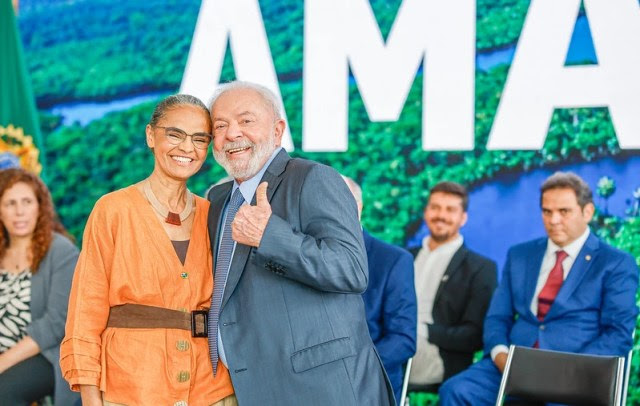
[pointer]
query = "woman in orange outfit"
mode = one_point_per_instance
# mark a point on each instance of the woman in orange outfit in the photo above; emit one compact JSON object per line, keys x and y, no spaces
{"x":145,"y":266}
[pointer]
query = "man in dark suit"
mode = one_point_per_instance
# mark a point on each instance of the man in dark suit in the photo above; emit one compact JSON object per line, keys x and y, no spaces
{"x":568,"y":292}
{"x":287,"y":317}
{"x":454,"y":286}
{"x":389,"y":301}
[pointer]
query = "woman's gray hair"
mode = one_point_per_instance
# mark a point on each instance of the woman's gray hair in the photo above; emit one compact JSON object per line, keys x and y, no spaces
{"x":267,"y":95}
{"x":173,"y":101}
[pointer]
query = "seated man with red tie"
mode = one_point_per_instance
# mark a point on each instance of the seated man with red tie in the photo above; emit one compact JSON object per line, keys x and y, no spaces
{"x":568,"y":292}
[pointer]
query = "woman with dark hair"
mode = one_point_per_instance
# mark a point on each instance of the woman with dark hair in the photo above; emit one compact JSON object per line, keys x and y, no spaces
{"x":36,"y":267}
{"x":136,"y":331}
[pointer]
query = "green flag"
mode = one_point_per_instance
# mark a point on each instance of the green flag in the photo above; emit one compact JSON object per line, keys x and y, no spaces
{"x":20,"y":141}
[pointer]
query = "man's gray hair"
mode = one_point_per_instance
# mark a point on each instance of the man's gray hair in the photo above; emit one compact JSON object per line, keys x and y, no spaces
{"x":267,"y":95}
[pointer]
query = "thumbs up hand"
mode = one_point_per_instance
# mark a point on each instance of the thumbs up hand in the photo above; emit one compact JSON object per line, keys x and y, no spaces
{"x":250,"y":221}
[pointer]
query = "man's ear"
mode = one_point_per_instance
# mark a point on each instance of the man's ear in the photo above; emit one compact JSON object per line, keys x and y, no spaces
{"x":464,"y":219}
{"x":588,"y":211}
{"x":279,"y":127}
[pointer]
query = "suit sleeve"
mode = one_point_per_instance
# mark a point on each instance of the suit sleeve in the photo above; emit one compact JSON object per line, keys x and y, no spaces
{"x":48,"y":330}
{"x":467,"y":334}
{"x":500,"y":316}
{"x":618,"y":311}
{"x":327,"y":252}
{"x":398,"y":342}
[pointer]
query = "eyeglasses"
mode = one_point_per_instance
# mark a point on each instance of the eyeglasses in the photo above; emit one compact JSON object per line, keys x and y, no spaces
{"x":176,"y":136}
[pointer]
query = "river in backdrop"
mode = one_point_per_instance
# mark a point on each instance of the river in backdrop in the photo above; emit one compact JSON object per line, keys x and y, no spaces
{"x":85,"y":112}
{"x":581,"y":50}
{"x":506,"y":210}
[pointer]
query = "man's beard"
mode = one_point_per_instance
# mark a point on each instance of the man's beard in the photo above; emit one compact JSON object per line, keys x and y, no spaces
{"x":246,"y":169}
{"x":441,"y":236}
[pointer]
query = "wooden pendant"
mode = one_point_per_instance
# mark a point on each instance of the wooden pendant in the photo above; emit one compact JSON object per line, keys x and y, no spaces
{"x":169,"y":217}
{"x":173,"y":218}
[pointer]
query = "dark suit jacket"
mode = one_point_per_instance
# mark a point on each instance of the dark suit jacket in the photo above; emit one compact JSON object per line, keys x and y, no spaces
{"x":594,"y":312}
{"x":292,"y":318}
{"x":459,"y":308}
{"x":390,"y":303}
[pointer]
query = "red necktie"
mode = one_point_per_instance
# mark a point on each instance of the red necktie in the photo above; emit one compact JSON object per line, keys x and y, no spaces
{"x":550,"y":289}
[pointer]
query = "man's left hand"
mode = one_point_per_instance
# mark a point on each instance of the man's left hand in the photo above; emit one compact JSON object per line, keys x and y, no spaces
{"x":501,"y":361}
{"x":250,"y":221}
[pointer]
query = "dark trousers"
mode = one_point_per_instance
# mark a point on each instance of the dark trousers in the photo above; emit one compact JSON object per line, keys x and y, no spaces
{"x":26,"y":382}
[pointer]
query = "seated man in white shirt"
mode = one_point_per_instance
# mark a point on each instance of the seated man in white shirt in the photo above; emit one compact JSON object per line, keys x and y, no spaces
{"x":569,"y":291}
{"x":453,"y":285}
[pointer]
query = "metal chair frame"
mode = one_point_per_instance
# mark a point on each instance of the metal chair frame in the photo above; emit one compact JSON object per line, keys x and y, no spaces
{"x":621,"y":378}
{"x":405,"y":383}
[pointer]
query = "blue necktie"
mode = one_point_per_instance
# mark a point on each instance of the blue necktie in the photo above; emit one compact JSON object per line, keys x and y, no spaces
{"x":222,"y":271}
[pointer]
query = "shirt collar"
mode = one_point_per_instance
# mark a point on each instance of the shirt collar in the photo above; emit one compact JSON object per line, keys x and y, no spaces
{"x":451,"y":246}
{"x":572,"y":249}
{"x":249,"y":186}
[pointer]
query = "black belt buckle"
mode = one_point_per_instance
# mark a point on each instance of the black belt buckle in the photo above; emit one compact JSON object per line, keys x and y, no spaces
{"x":199,"y":317}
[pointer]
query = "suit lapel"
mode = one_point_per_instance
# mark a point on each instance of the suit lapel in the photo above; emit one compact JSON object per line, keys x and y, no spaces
{"x":273,"y":181}
{"x":579,"y":269}
{"x":218,"y":196}
{"x":453,"y":267}
{"x":241,"y":253}
{"x":533,"y":272}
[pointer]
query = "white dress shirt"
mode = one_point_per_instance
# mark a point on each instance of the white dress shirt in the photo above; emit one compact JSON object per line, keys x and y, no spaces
{"x":430,"y":266}
{"x":548,"y":261}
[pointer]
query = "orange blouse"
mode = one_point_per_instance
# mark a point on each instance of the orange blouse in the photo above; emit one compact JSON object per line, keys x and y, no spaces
{"x":127,"y":257}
